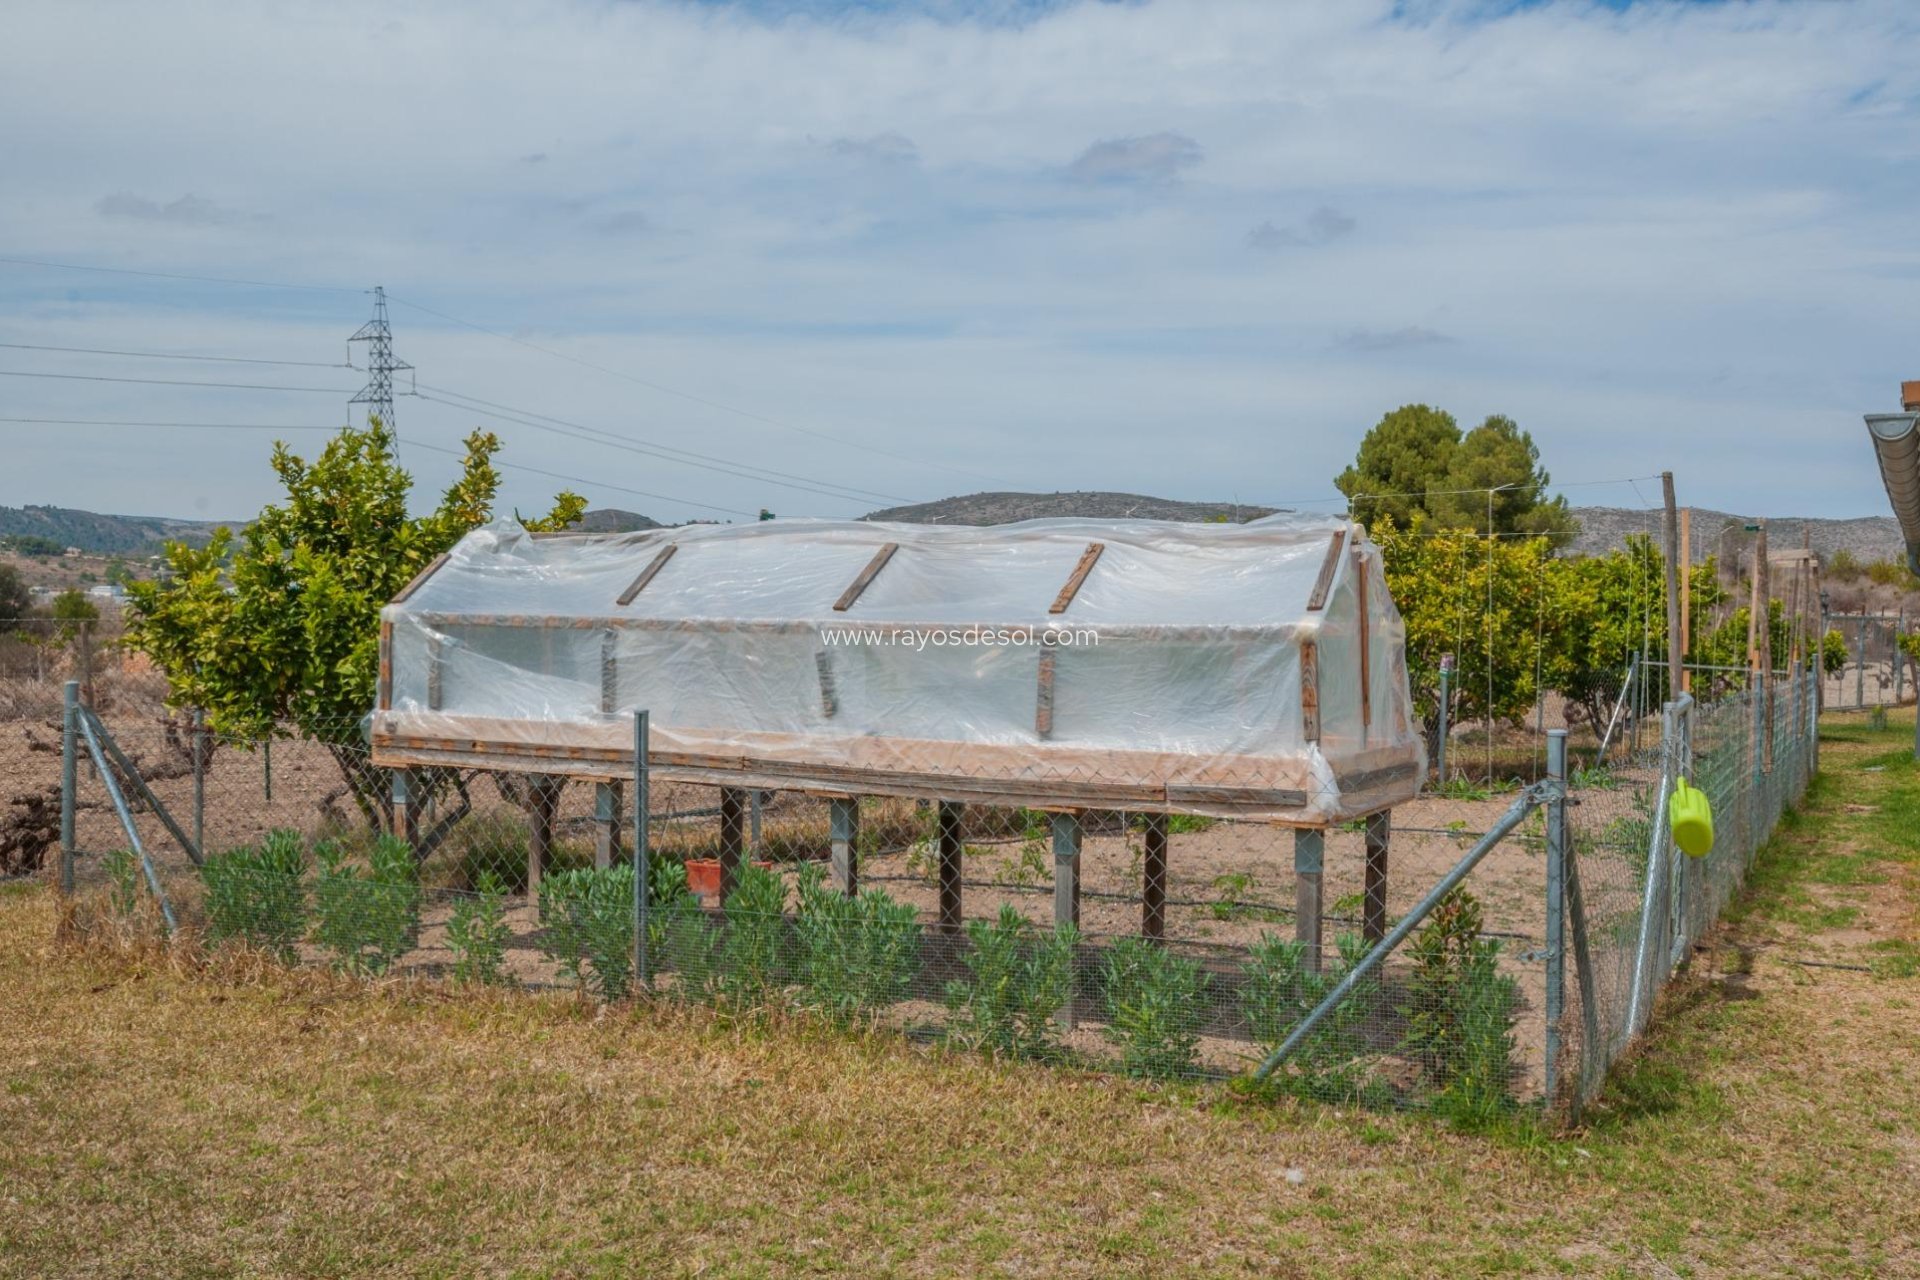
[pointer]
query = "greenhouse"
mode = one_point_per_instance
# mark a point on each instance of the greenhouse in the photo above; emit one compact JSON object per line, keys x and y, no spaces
{"x":1253,"y":671}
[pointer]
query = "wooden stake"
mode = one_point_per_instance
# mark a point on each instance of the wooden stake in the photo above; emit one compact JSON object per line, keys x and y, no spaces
{"x":1309,"y":858}
{"x":1686,"y":596}
{"x":1676,"y":662}
{"x":1153,"y":878}
{"x":951,"y":849}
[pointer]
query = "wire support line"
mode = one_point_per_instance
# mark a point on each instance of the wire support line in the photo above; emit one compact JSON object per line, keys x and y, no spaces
{"x":582,"y":480}
{"x":659,"y":453}
{"x":171,"y":355}
{"x":666,"y":448}
{"x":694,"y":398}
{"x":210,"y":426}
{"x":174,"y":382}
{"x":176,"y":275}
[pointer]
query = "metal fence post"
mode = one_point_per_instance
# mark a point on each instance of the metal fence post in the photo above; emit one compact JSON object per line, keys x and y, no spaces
{"x":69,"y":779}
{"x":1440,"y":740}
{"x":642,"y":853}
{"x":1556,"y":905}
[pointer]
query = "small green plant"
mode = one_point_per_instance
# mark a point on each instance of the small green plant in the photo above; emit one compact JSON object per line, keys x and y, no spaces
{"x":1017,"y":980}
{"x":1877,"y":720}
{"x":1153,"y":997}
{"x":1461,"y":1011}
{"x":1231,"y":887}
{"x":477,"y":934}
{"x":367,"y":917}
{"x":123,"y":882}
{"x":588,"y":917}
{"x":857,"y":955}
{"x":255,"y":894}
{"x":1279,"y":988}
{"x":754,"y":955}
{"x":1462,"y":789}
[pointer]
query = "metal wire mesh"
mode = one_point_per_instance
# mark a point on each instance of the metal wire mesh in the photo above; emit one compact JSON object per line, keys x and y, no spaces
{"x":1158,"y":945}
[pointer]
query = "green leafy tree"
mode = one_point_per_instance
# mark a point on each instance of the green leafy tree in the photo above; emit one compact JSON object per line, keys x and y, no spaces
{"x":72,"y":610}
{"x":280,"y":626}
{"x":1499,"y":458}
{"x":1404,"y":456}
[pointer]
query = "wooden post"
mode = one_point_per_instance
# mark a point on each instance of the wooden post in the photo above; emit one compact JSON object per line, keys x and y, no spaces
{"x":1374,"y":912}
{"x":733,"y":837}
{"x":546,"y":790}
{"x":1309,"y":853}
{"x":606,"y":824}
{"x":1763,"y":611}
{"x":1153,"y":886}
{"x":1066,"y":870}
{"x":1686,"y":596}
{"x":1676,"y":662}
{"x":844,"y":821}
{"x":402,"y":827}
{"x":1066,"y":885}
{"x":951,"y":849}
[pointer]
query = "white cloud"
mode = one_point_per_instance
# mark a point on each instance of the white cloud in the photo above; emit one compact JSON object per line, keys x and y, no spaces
{"x":1678,"y":236}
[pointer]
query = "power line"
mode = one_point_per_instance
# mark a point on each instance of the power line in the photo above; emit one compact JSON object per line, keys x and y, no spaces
{"x":170,"y":382}
{"x":592,"y":484}
{"x":170,"y":355}
{"x":611,"y":436}
{"x":173,"y":275}
{"x":708,"y":401}
{"x":532,"y":346}
{"x":662,"y":453}
{"x":211,"y":426}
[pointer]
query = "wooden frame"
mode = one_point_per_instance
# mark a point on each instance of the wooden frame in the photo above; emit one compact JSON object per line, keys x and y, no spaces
{"x":1088,"y":558}
{"x":867,"y":575}
{"x":654,"y":566}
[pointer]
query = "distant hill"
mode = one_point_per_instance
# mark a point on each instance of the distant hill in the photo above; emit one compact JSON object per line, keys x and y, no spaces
{"x":103,"y":534}
{"x":1868,"y":538}
{"x":1005,"y":508}
{"x":614,"y":520}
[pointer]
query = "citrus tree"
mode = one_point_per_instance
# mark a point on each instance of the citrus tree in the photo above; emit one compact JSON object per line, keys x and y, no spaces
{"x":275,"y":632}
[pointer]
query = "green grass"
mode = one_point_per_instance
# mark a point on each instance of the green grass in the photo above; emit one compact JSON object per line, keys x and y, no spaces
{"x":165,"y":1117}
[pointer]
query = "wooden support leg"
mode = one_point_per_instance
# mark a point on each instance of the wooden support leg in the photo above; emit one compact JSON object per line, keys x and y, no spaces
{"x":844,"y":819}
{"x":733,"y":837}
{"x":1379,"y":834}
{"x":1309,"y":853}
{"x":402,"y":816}
{"x":1066,"y":870}
{"x":1066,"y":885}
{"x":606,"y":824}
{"x":546,"y":799}
{"x":951,"y":849}
{"x":1153,"y":882}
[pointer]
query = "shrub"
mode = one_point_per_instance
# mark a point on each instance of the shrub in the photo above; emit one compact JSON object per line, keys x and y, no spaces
{"x":857,"y":955}
{"x":1017,"y":980}
{"x":754,"y":960}
{"x":1481,"y":1087}
{"x":1280,"y":989}
{"x":368,"y":918}
{"x":478,"y":933}
{"x":255,"y":894}
{"x":1460,"y":1017}
{"x":588,"y":916}
{"x":1153,"y":997}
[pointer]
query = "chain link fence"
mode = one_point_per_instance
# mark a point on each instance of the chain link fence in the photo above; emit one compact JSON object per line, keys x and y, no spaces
{"x":1428,"y":953}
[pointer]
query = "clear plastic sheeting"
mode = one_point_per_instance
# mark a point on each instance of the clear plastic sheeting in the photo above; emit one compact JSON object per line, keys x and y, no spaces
{"x":1253,"y":670}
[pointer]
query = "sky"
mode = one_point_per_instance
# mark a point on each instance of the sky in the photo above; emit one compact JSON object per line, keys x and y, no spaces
{"x":823,"y":256}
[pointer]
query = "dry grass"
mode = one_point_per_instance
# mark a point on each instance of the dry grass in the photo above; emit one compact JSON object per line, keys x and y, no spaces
{"x":160,"y":1118}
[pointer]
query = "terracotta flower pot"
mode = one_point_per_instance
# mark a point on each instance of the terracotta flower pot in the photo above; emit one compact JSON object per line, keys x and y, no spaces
{"x":703,"y":878}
